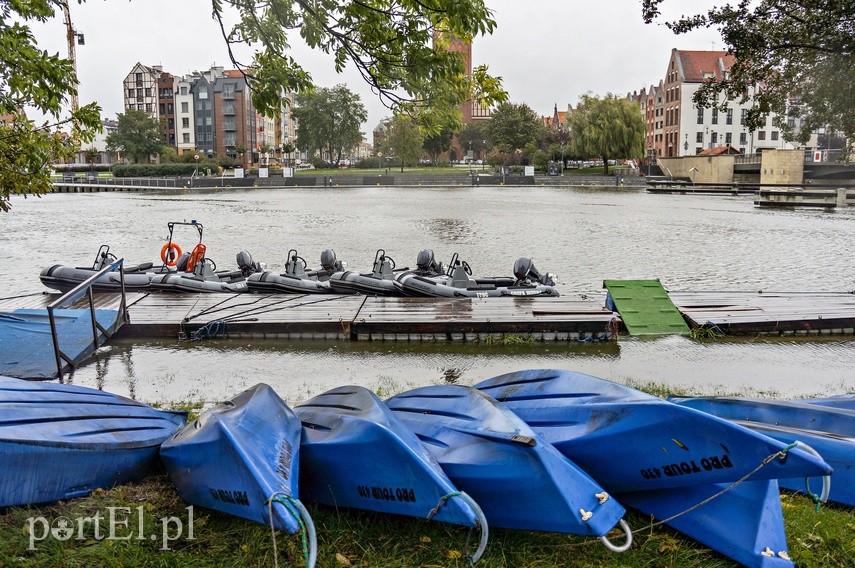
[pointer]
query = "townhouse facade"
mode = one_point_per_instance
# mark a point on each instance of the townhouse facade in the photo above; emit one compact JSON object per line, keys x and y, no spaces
{"x":677,"y":127}
{"x":209,"y":113}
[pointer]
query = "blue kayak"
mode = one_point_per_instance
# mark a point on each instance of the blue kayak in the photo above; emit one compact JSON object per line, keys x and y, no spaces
{"x":241,"y":457}
{"x":745,"y":523}
{"x":841,"y":401}
{"x":660,"y":444}
{"x":356,"y":453}
{"x":787,"y":421}
{"x":519,"y":480}
{"x":662,"y":458}
{"x":63,"y":441}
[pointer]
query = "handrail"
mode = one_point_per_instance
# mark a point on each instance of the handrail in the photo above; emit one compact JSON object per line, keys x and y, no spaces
{"x":75,"y":294}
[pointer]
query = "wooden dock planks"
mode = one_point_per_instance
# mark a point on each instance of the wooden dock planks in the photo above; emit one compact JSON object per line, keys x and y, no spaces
{"x":788,"y":313}
{"x":165,"y":315}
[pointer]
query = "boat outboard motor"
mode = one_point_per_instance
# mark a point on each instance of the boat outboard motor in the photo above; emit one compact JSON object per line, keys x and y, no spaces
{"x":329,"y":262}
{"x":181,"y":263}
{"x":525,"y":271}
{"x":246,"y":265}
{"x":426,"y":263}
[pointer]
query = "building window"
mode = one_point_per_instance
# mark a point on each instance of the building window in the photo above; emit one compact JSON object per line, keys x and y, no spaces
{"x":140,"y":106}
{"x":162,"y":109}
{"x":185,"y":123}
{"x":714,"y":119}
{"x":729,"y":119}
{"x":183,"y":90}
{"x":728,"y":138}
{"x":203,"y":94}
{"x":131,"y":93}
{"x":138,"y":76}
{"x":743,"y":139}
{"x":714,"y":138}
{"x":700,"y":115}
{"x":229,"y":138}
{"x":228,"y":123}
{"x":228,"y":107}
{"x":761,"y":135}
{"x":791,"y":122}
{"x":774,"y":135}
{"x":699,"y":137}
{"x":742,"y":115}
{"x":698,"y":149}
{"x":228,"y":91}
{"x":185,"y":138}
{"x":148,"y":92}
{"x":185,"y":107}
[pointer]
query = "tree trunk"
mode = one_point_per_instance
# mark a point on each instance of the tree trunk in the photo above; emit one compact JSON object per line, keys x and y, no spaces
{"x":605,"y":165}
{"x":402,"y":165}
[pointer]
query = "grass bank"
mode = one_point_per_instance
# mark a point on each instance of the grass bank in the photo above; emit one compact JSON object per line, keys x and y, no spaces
{"x":151,"y":527}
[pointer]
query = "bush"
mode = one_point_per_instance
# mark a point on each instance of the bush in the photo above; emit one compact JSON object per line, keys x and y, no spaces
{"x":154,"y":170}
{"x":372,"y":162}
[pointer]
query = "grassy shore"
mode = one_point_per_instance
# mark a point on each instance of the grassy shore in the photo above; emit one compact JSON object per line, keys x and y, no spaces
{"x":151,"y":528}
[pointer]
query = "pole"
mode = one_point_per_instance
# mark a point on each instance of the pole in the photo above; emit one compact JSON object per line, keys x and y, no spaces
{"x":72,"y":52}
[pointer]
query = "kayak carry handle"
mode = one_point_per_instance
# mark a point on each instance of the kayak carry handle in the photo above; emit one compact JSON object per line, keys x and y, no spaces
{"x":480,"y":517}
{"x":307,"y":527}
{"x":826,"y":479}
{"x":625,"y":546}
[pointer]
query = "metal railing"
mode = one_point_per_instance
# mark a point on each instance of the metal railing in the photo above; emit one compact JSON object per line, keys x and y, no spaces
{"x":85,"y":288}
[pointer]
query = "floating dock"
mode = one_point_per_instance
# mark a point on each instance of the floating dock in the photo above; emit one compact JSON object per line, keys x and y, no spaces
{"x":570,"y":317}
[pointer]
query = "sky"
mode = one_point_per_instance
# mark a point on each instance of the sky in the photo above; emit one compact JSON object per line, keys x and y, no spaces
{"x":547,"y":52}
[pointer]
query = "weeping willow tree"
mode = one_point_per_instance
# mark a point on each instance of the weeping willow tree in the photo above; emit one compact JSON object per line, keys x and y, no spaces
{"x":607,"y":127}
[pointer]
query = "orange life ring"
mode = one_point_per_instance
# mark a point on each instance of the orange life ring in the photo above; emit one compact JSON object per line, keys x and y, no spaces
{"x":196,"y":256}
{"x":170,"y":253}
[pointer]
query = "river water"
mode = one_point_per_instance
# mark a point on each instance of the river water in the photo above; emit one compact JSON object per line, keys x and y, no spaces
{"x":584,"y":235}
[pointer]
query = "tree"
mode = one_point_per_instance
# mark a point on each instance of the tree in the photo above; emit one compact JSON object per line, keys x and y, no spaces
{"x":403,"y":140}
{"x":138,"y":136}
{"x":513,"y":126}
{"x":475,"y":135}
{"x":436,"y":144}
{"x":390,"y":42}
{"x":610,"y":127}
{"x":796,"y":57}
{"x":31,"y":78}
{"x":329,"y":120}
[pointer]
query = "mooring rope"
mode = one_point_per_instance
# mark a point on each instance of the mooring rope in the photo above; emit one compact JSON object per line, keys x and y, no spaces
{"x":308,"y":536}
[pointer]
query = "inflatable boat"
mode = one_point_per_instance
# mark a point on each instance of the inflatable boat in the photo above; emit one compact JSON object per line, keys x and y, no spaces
{"x":202,"y":275}
{"x":379,"y":282}
{"x":459,"y":282}
{"x":137,"y":277}
{"x":296,"y":279}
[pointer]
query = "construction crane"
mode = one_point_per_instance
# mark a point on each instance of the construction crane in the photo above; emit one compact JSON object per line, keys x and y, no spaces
{"x":73,"y":37}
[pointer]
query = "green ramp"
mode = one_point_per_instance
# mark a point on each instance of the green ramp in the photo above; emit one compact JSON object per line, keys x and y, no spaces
{"x":645,"y":307}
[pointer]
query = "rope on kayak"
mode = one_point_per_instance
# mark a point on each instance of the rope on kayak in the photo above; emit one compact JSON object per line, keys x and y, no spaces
{"x":781,"y":455}
{"x":308,"y":537}
{"x":481,"y":523}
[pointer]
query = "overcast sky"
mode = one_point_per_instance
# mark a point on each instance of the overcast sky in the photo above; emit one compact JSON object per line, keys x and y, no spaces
{"x":547,"y":51}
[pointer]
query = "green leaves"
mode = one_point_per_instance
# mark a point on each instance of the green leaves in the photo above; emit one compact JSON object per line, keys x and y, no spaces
{"x":138,"y":136}
{"x":608,"y":127}
{"x":395,"y":45}
{"x":329,"y":120}
{"x":34,"y":79}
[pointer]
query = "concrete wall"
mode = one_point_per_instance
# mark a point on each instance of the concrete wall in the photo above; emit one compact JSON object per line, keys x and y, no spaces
{"x":783,"y":167}
{"x":707,"y":169}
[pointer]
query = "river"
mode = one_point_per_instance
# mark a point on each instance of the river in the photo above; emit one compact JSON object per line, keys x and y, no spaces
{"x":584,"y":235}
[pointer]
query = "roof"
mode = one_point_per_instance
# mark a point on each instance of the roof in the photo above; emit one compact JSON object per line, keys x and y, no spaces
{"x":700,"y":66}
{"x":720,"y":150}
